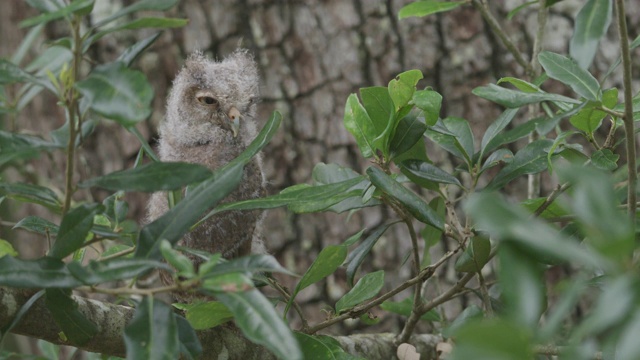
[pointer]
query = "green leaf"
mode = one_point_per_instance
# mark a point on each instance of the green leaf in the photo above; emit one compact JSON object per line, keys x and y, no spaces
{"x":97,"y":272}
{"x":412,"y":202}
{"x":430,"y":234}
{"x":146,"y":22}
{"x":206,"y":315}
{"x":44,"y":272}
{"x":231,"y":282}
{"x":496,"y":128}
{"x":142,"y":5}
{"x":492,"y":338}
{"x":366,"y":288}
{"x":531,"y":159}
{"x":260,"y":323}
{"x":324,"y":174}
{"x":475,"y":256}
{"x":552,"y":211}
{"x":130,"y":54}
{"x":430,"y":102}
{"x":405,"y":307}
{"x":408,"y":141}
{"x":74,"y":229}
{"x":118,"y":93}
{"x":38,"y":225}
{"x":522,"y":85}
{"x":570,"y":73}
{"x":76,"y":327}
{"x":7,"y":249}
{"x":589,"y":118}
{"x":605,"y":159}
{"x":500,"y":156}
{"x":401,"y":88}
{"x":458,"y":141}
{"x":314,"y":349}
{"x":429,"y":172}
{"x":180,"y":262}
{"x":360,"y":125}
{"x":328,"y":260}
{"x":177,"y":221}
{"x":591,"y":24}
{"x":73,"y":7}
{"x":249,"y":265}
{"x":505,"y":222}
{"x":428,"y":7}
{"x":155,"y":176}
{"x":379,"y":106}
{"x":152,"y":333}
{"x":514,"y":99}
{"x":628,"y":347}
{"x":357,"y":256}
{"x":35,"y":194}
{"x":10,"y":73}
{"x":522,"y":285}
{"x":190,"y":347}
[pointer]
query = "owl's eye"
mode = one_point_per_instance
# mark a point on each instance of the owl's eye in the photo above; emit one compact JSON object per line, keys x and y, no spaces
{"x":207,"y":100}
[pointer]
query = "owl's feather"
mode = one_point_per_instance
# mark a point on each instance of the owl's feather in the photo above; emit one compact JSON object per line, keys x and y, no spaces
{"x":207,"y":101}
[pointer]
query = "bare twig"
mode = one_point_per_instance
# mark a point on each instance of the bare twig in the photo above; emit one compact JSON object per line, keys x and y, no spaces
{"x":551,"y":198}
{"x":287,"y":296}
{"x":628,"y":109}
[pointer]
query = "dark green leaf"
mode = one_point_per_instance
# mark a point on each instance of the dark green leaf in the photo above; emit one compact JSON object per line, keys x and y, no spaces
{"x":17,"y":317}
{"x":492,"y":338}
{"x":429,"y":172}
{"x":514,"y":99}
{"x":328,"y":260}
{"x":509,"y":136}
{"x":530,"y":160}
{"x":412,"y":202}
{"x":251,"y":264}
{"x":37,"y":225}
{"x":401,"y":88}
{"x":130,"y":54}
{"x":475,"y":256}
{"x":360,"y":125}
{"x":427,"y":7}
{"x":45,"y":272}
{"x":324,"y":174}
{"x":405,"y":307}
{"x":357,"y":256}
{"x":605,"y":159}
{"x":500,"y":156}
{"x":588,"y":119}
{"x":177,"y":221}
{"x":591,"y":24}
{"x":507,"y":222}
{"x":496,"y":128}
{"x":118,"y":93}
{"x":353,"y":238}
{"x":570,"y":73}
{"x":454,"y":135}
{"x":75,"y":6}
{"x":379,"y":107}
{"x":152,"y":333}
{"x":552,"y":211}
{"x":11,"y":73}
{"x":409,"y":131}
{"x":206,"y":315}
{"x":522,"y":85}
{"x":32,"y":194}
{"x":76,"y":327}
{"x":155,"y":176}
{"x":74,"y":229}
{"x":312,"y":348}
{"x":97,"y":272}
{"x":190,"y":347}
{"x":141,"y":23}
{"x":522,"y":285}
{"x":430,"y":102}
{"x":366,"y":288}
{"x":260,"y":323}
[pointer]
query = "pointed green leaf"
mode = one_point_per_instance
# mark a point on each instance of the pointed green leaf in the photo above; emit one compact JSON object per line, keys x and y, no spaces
{"x":10,"y":73}
{"x":130,"y":54}
{"x":426,"y":171}
{"x":118,"y":93}
{"x":7,"y":249}
{"x":430,"y":102}
{"x":249,"y":265}
{"x":589,"y":118}
{"x":32,"y":194}
{"x":73,"y":7}
{"x":427,"y":7}
{"x":455,"y":136}
{"x":97,"y":272}
{"x":522,"y":85}
{"x":152,"y":333}
{"x":591,"y":24}
{"x":360,"y":125}
{"x":260,"y":323}
{"x":37,"y":225}
{"x":74,"y":229}
{"x":500,"y":156}
{"x":492,"y":338}
{"x":410,"y":130}
{"x":401,"y":88}
{"x":366,"y":288}
{"x":40,"y":273}
{"x":357,"y":256}
{"x":405,"y":307}
{"x":412,"y":202}
{"x":206,"y":315}
{"x":328,"y":260}
{"x":531,"y":159}
{"x":314,"y":349}
{"x":76,"y":327}
{"x":379,"y":106}
{"x":570,"y":73}
{"x":475,"y":256}
{"x":155,"y":176}
{"x":605,"y":159}
{"x":142,"y":5}
{"x":513,"y":98}
{"x":496,"y":128}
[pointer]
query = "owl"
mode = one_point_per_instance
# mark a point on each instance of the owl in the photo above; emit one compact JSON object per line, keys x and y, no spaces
{"x":210,"y":120}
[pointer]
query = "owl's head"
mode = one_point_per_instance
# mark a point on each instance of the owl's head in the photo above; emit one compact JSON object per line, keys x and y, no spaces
{"x":215,"y":94}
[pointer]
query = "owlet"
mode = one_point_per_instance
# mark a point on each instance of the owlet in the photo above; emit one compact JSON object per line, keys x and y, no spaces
{"x":210,"y":121}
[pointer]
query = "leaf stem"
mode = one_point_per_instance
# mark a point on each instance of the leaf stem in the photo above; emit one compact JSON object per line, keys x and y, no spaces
{"x":628,"y":109}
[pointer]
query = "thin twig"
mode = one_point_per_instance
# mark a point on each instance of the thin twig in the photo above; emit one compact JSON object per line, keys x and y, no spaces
{"x":484,"y":292}
{"x":628,"y":109}
{"x":551,"y":198}
{"x":287,"y":296}
{"x":118,"y":254}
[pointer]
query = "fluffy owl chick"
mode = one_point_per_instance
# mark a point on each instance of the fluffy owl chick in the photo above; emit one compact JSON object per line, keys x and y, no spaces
{"x":210,"y":121}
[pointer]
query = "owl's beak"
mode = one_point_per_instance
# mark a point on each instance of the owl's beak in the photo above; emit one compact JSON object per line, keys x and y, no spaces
{"x":234,"y":116}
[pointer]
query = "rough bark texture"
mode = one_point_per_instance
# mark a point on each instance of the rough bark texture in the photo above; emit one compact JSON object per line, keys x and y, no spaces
{"x":312,"y":55}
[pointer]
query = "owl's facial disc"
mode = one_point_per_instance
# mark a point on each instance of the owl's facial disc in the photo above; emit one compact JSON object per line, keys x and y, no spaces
{"x":234,"y":116}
